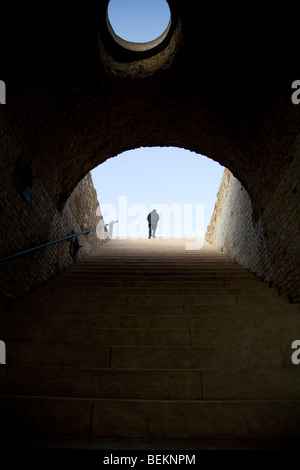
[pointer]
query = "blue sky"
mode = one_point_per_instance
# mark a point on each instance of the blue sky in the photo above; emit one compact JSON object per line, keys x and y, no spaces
{"x":139,"y":20}
{"x":180,"y":184}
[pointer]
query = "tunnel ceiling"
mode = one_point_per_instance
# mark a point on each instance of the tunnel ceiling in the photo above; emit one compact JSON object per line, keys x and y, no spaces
{"x":217,"y":85}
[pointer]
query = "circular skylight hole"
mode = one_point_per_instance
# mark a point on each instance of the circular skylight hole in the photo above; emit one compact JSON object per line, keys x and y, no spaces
{"x":139,"y":21}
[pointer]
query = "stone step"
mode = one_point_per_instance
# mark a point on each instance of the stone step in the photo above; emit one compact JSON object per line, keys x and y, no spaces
{"x":156,"y":269}
{"x":178,"y":259}
{"x":59,"y":320}
{"x":171,"y":419}
{"x":188,"y":321}
{"x":196,"y":357}
{"x":195,"y":317}
{"x":160,"y":316}
{"x":99,"y":336}
{"x":160,"y":263}
{"x":90,"y":301}
{"x":118,"y":281}
{"x":78,"y":311}
{"x":129,"y":320}
{"x":164,"y":384}
{"x":98,"y":290}
{"x":202,"y":337}
{"x":159,"y":274}
{"x":144,"y":357}
{"x":255,"y":384}
{"x":151,"y":340}
{"x":201,"y":419}
{"x":104,"y":383}
{"x":161,"y":259}
{"x":156,"y":266}
{"x":177,"y":281}
{"x":139,"y":259}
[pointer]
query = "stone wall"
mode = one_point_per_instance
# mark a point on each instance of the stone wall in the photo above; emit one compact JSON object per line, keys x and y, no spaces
{"x":28,"y":224}
{"x":235,"y":231}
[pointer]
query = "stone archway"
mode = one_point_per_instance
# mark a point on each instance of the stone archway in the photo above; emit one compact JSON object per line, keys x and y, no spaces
{"x":74,"y":99}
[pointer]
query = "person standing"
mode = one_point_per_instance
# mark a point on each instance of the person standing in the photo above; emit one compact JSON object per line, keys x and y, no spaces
{"x":153,"y":219}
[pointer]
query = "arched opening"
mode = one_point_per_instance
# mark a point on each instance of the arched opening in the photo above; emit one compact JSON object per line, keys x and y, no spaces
{"x":194,"y":197}
{"x":180,"y":184}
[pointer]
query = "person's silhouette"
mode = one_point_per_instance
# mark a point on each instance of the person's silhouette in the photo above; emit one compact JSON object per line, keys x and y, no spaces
{"x":153,"y":219}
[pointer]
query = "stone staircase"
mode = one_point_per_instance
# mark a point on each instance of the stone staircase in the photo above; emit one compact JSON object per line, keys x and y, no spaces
{"x":148,"y":340}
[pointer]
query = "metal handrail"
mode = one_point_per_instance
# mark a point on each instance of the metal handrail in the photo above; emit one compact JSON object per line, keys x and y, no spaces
{"x":35,"y":248}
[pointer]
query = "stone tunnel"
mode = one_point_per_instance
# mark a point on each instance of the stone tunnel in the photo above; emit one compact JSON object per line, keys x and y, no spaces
{"x":75,"y":96}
